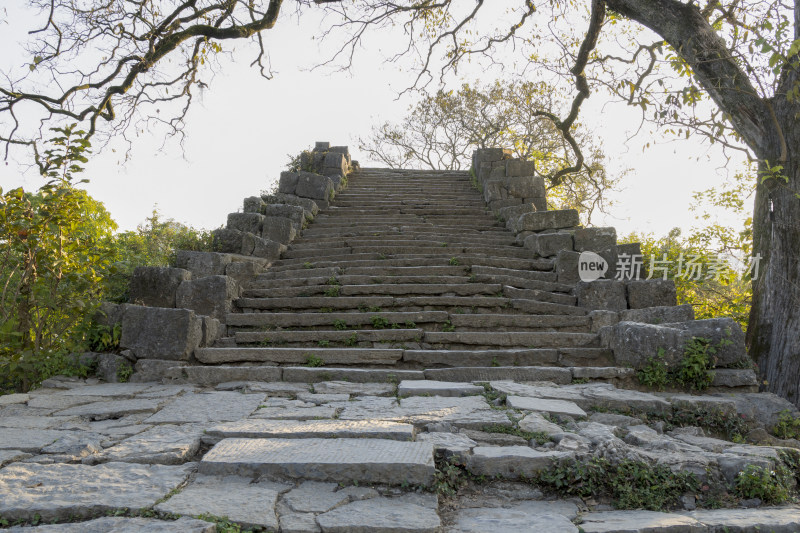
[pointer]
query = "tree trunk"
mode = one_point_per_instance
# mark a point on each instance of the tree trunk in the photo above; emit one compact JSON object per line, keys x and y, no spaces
{"x":773,"y":332}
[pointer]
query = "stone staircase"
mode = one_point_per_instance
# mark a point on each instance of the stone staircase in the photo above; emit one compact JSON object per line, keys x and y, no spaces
{"x":419,"y":358}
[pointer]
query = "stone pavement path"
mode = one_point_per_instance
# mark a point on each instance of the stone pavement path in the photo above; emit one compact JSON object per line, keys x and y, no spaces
{"x":342,"y":456}
{"x":411,"y":370}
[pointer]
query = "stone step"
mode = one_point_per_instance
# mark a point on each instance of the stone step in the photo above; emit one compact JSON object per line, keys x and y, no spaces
{"x":336,"y":356}
{"x":339,"y":460}
{"x":308,"y":429}
{"x":390,"y":250}
{"x":545,"y":265}
{"x":439,"y":339}
{"x":409,"y":303}
{"x":347,"y":280}
{"x":368,"y":212}
{"x":523,"y":283}
{"x":395,"y":289}
{"x":510,"y":322}
{"x":398,"y":240}
{"x":314,"y":337}
{"x":328,"y":320}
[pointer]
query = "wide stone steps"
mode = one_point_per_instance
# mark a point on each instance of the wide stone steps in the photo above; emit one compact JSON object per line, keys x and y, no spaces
{"x":398,"y":240}
{"x":404,"y":334}
{"x":391,"y":249}
{"x":402,"y":289}
{"x":486,"y":304}
{"x":378,"y":260}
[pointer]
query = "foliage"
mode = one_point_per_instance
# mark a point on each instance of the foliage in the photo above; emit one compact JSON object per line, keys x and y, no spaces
{"x":631,"y":484}
{"x":379,"y":322}
{"x":124,"y":372}
{"x":441,"y":130}
{"x":340,"y":324}
{"x":154,"y":243}
{"x":332,"y":291}
{"x":103,"y":338}
{"x":57,"y":245}
{"x":770,"y":486}
{"x":314,"y":361}
{"x":788,"y":427}
{"x":693,"y":369}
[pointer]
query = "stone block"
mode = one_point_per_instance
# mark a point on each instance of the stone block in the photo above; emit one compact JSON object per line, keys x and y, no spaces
{"x":253,"y":204}
{"x":437,"y":388}
{"x":544,"y":220}
{"x":159,"y":333}
{"x":202,"y":264}
{"x":494,"y":191}
{"x":549,"y":244}
{"x":634,"y":343}
{"x":310,"y":206}
{"x":594,"y":239}
{"x":603,"y":318}
{"x":525,"y":186}
{"x":243,"y":271}
{"x":496,"y":205}
{"x":295,"y":213}
{"x":511,"y":462}
{"x":335,"y":164}
{"x":288,"y":182}
{"x":267,"y":249}
{"x":322,"y":146}
{"x":539,"y":202}
{"x":567,"y":266}
{"x":607,"y":294}
{"x":556,"y":407}
{"x":213,"y":329}
{"x":156,"y":286}
{"x":227,"y":240}
{"x":211,"y":296}
{"x":109,"y":366}
{"x":380,"y":514}
{"x":485,"y":169}
{"x":246,"y":222}
{"x":651,"y":293}
{"x":314,"y":186}
{"x":719,"y":331}
{"x":278,"y":229}
{"x":629,"y":248}
{"x":659,"y":315}
{"x":512,"y":213}
{"x":362,"y":460}
{"x":520,"y":167}
{"x":485,"y":155}
{"x":147,"y":370}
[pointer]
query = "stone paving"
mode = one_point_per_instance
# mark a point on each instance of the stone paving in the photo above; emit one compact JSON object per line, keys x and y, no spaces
{"x":452,"y":370}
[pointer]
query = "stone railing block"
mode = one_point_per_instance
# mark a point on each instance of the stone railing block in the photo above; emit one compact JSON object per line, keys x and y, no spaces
{"x":651,"y":293}
{"x":156,"y":286}
{"x":202,"y":264}
{"x":595,"y":239}
{"x":212,"y":296}
{"x":160,"y":333}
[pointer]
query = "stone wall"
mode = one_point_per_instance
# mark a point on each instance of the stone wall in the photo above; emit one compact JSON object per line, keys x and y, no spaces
{"x":175,"y":310}
{"x":637,"y":318}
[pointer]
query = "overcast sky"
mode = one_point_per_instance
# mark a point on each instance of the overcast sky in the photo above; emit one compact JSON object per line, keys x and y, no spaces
{"x":243,"y":126}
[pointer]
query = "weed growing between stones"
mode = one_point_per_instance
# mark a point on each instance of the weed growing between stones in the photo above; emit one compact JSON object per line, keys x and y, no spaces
{"x":448,"y":326}
{"x":539,"y":436}
{"x":352,"y":340}
{"x":340,"y":325}
{"x":453,"y":261}
{"x":314,"y":361}
{"x":694,"y":370}
{"x":788,"y":427}
{"x":332,"y":291}
{"x":769,"y":486}
{"x":451,"y":476}
{"x":308,"y":264}
{"x":124,"y":372}
{"x":630,"y":484}
{"x":379,"y":322}
{"x":324,"y":344}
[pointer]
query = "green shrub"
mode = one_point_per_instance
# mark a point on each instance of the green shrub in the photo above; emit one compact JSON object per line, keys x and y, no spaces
{"x":788,"y":427}
{"x":655,"y":373}
{"x":770,"y":486}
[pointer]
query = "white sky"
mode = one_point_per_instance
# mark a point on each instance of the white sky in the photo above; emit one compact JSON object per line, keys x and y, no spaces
{"x":243,"y":127}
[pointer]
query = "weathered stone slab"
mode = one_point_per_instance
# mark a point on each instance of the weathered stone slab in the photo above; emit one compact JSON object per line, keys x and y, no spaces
{"x":59,"y":491}
{"x":9,"y":399}
{"x":28,"y":440}
{"x":356,"y":389}
{"x":448,"y":443}
{"x":292,"y":522}
{"x":342,"y":356}
{"x":594,"y":239}
{"x":110,"y":390}
{"x":164,"y":445}
{"x":279,"y":229}
{"x":545,"y":517}
{"x":320,"y":399}
{"x":544,"y":220}
{"x":212,"y":375}
{"x":536,"y":423}
{"x":159,"y":333}
{"x":202,"y":264}
{"x":511,"y":462}
{"x":639,"y":522}
{"x":156,"y":286}
{"x":556,"y":407}
{"x":380,"y":515}
{"x":208,"y":407}
{"x":246,"y":222}
{"x":37,"y":421}
{"x":437,"y":388}
{"x":363,"y":460}
{"x":294,"y":429}
{"x":515,"y":373}
{"x":659,"y":314}
{"x":11,"y":456}
{"x":76,"y":445}
{"x":607,"y":294}
{"x":356,"y":375}
{"x":315,"y":497}
{"x":548,"y":244}
{"x":651,"y":293}
{"x":111,"y":524}
{"x":303,"y":412}
{"x":314,"y":186}
{"x":112,"y":409}
{"x":773,"y":520}
{"x":238,"y":499}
